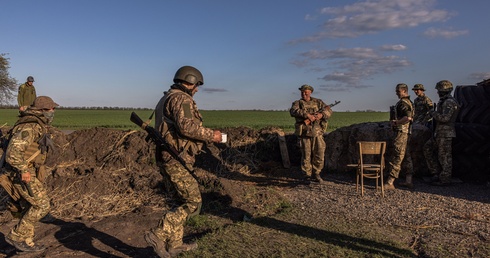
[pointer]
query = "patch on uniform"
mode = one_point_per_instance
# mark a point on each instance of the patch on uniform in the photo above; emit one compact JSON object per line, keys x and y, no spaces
{"x":24,"y":134}
{"x":187,"y":110}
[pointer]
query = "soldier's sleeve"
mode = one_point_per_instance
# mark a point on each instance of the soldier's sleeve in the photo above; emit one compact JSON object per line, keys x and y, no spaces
{"x":449,"y":107}
{"x":183,"y":110}
{"x":327,"y":111}
{"x":17,"y":147}
{"x":429,"y":103}
{"x":20,"y":96}
{"x":405,"y":109}
{"x":296,"y":111}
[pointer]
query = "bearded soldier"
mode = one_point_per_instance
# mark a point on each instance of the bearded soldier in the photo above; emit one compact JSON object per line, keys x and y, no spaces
{"x":25,"y":156}
{"x":311,"y":116}
{"x":422,"y":104}
{"x":438,"y":150}
{"x":180,"y":123}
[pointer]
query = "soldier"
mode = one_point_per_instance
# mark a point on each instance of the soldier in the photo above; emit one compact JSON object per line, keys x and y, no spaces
{"x":180,"y":123}
{"x":26,"y":94}
{"x":311,"y":116}
{"x":25,"y":156}
{"x":440,"y":164}
{"x":422,"y":104}
{"x":401,"y":124}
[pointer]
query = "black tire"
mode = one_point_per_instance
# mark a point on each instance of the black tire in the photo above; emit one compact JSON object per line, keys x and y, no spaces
{"x":469,"y":167}
{"x":472,"y":139}
{"x":475,"y":104}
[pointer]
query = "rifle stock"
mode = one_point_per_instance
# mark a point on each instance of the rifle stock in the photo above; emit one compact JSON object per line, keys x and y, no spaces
{"x":157,"y":138}
{"x":308,"y":121}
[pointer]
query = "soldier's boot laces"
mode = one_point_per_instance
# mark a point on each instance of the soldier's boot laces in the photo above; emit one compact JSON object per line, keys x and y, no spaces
{"x":183,"y":248}
{"x":159,"y":246}
{"x":25,"y":246}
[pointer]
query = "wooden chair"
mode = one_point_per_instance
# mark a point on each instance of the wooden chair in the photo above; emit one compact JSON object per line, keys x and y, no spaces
{"x":373,"y":169}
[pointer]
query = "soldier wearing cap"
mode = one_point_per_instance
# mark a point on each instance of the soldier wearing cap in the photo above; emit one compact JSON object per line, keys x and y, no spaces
{"x":438,"y":150}
{"x":311,"y":115}
{"x":25,"y":156}
{"x":26,"y":94}
{"x":422,"y":104}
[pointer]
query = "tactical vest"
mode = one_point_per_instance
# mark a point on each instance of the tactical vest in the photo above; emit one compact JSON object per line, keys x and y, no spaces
{"x":33,"y":154}
{"x":405,"y":128}
{"x":314,"y":129}
{"x":188,"y":147}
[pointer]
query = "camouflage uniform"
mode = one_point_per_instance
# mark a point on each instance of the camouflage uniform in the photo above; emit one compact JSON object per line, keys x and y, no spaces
{"x":24,"y":155}
{"x":401,"y":155}
{"x":312,"y":143}
{"x":180,"y":123}
{"x":26,"y":95}
{"x":422,"y":105}
{"x":438,"y":150}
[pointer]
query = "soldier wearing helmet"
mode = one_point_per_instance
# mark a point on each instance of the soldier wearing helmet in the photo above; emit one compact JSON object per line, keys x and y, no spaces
{"x":422,"y":104}
{"x":180,"y":123}
{"x":311,"y":115}
{"x":438,"y":150}
{"x":26,"y":94}
{"x":28,"y":147}
{"x":402,"y":126}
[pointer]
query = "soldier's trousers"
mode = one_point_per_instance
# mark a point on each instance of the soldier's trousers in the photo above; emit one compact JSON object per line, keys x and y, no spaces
{"x":184,"y":190}
{"x":438,"y":153}
{"x":37,"y":207}
{"x":312,"y":154}
{"x":401,"y":156}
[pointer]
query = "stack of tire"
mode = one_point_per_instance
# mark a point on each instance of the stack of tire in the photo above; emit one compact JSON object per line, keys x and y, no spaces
{"x":471,"y":147}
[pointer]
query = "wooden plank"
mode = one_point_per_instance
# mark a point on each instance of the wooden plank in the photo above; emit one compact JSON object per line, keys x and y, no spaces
{"x":284,"y":149}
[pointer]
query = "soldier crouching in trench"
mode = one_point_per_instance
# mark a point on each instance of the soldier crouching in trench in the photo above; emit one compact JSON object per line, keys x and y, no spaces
{"x":24,"y":171}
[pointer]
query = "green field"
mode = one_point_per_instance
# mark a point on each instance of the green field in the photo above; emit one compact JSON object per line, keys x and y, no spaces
{"x":119,"y":119}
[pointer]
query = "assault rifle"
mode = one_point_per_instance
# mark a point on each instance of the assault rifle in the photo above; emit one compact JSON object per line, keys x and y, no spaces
{"x":392,"y":116}
{"x":156,"y":137}
{"x":308,"y":121}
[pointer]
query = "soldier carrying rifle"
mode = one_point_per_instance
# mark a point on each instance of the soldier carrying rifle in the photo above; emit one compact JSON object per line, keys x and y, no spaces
{"x":311,"y":116}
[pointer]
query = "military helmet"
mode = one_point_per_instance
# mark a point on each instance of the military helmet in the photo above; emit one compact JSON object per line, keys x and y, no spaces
{"x":30,"y":79}
{"x":418,"y":86}
{"x":305,"y":87}
{"x":44,"y":102}
{"x":189,"y":74}
{"x":445,"y":86}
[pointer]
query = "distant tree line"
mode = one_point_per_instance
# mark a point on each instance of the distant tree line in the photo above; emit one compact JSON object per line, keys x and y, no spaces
{"x":11,"y":106}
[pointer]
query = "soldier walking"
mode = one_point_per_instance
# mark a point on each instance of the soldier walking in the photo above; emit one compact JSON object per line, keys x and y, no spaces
{"x":26,"y":94}
{"x":25,"y":156}
{"x":180,"y":123}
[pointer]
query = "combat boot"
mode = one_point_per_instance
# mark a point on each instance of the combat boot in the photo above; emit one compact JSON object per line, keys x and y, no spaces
{"x":159,"y":246}
{"x":24,"y":246}
{"x":182,"y":248}
{"x":319,"y":179}
{"x":408,"y":182}
{"x":389,"y":184}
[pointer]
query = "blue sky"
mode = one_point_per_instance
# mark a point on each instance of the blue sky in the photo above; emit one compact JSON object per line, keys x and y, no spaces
{"x":253,"y":54}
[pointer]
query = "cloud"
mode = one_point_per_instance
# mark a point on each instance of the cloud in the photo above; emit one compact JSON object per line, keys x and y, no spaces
{"x":398,"y":47}
{"x":212,"y":90}
{"x":479,"y":76}
{"x":444,"y":33}
{"x":371,"y":17}
{"x":352,"y":66}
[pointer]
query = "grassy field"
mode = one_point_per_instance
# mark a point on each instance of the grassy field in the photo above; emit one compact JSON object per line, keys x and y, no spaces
{"x":119,"y":119}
